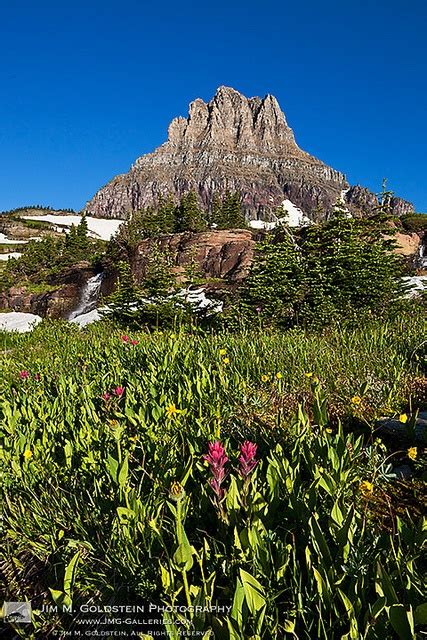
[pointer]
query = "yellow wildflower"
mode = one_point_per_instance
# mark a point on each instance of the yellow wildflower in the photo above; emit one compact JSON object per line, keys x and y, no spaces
{"x":133,"y":438}
{"x":356,"y":400}
{"x":226,"y":360}
{"x":315,"y":380}
{"x":279,"y":376}
{"x":264,"y":378}
{"x":308,"y":374}
{"x":222,"y":352}
{"x":173,"y":336}
{"x":328,"y":430}
{"x":403,"y":418}
{"x":28,"y":454}
{"x":176,"y":491}
{"x":366,"y":488}
{"x":412,"y":453}
{"x":172,"y":411}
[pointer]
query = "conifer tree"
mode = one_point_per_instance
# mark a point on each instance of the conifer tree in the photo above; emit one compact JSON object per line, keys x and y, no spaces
{"x":189,"y":216}
{"x":232,"y":216}
{"x":349,"y":266}
{"x":215,"y":213}
{"x":167,"y":211}
{"x":82,"y":241}
{"x":158,"y":278}
{"x":274,"y":288}
{"x":125,"y":299}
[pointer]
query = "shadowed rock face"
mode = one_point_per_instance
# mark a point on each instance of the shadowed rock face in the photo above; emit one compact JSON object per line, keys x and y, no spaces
{"x":52,"y":304}
{"x":231,"y":143}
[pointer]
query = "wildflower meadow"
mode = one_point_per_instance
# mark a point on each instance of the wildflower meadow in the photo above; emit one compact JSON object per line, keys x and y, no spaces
{"x":232,"y":485}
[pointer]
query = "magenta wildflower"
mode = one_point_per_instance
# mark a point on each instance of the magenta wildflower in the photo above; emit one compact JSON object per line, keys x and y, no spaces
{"x":247,"y":459}
{"x":24,"y":374}
{"x":37,"y":376}
{"x":125,"y":339}
{"x":134,"y":342}
{"x":119,"y":391}
{"x":258,"y":309}
{"x":217,"y":459}
{"x":106,"y":396}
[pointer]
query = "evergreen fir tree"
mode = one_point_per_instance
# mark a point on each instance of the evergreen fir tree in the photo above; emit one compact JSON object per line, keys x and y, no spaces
{"x":232,"y":216}
{"x":189,"y":216}
{"x":158,"y":279}
{"x":123,"y":304}
{"x":349,"y":266}
{"x":215,"y":213}
{"x":167,"y":211}
{"x":274,"y":288}
{"x":82,"y":233}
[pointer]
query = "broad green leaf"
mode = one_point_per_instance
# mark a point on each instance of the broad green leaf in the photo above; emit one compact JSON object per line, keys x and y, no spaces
{"x":70,"y":573}
{"x":420,"y":614}
{"x":402,"y":621}
{"x":123,"y":473}
{"x":254,"y":592}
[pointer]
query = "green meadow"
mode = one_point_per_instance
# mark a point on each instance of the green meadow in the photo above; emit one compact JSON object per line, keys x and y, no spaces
{"x":128,"y":478}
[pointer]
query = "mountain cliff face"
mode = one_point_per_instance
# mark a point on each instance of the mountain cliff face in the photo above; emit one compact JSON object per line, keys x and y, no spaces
{"x":232,"y":143}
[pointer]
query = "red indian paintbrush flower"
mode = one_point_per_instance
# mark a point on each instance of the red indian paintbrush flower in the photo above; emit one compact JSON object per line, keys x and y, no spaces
{"x":119,"y":391}
{"x":125,"y":338}
{"x":247,"y":459}
{"x":134,"y":342}
{"x":24,"y":374}
{"x":217,"y":459}
{"x":106,"y":396}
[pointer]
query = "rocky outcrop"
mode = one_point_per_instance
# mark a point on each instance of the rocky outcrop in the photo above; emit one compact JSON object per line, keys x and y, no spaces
{"x":51,"y":304}
{"x":235,"y":144}
{"x":408,"y":244}
{"x":224,"y":254}
{"x":60,"y":298}
{"x":362,"y":201}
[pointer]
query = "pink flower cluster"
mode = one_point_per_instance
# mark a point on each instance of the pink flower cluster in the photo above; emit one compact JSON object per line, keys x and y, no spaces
{"x":217,"y":459}
{"x":24,"y":375}
{"x":247,"y":459}
{"x":118,"y":392}
{"x":127,"y":340}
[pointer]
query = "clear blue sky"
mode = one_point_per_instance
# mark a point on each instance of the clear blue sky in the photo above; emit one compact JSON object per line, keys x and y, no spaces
{"x":87,"y":87}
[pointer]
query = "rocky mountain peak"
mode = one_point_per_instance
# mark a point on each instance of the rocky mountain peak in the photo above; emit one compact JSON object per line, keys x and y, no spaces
{"x":234,"y":122}
{"x":233,"y":144}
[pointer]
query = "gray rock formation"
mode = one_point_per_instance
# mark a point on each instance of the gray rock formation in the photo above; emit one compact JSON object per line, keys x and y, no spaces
{"x":231,"y":143}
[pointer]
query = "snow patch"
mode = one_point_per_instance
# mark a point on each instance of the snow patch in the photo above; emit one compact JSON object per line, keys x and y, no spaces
{"x":18,"y":321}
{"x":343,"y":195}
{"x":87,"y":318}
{"x":5,"y":240}
{"x":199,"y":301}
{"x":416,"y":285}
{"x":8,"y":256}
{"x":262,"y":224}
{"x":101,"y":228}
{"x":294,"y":217}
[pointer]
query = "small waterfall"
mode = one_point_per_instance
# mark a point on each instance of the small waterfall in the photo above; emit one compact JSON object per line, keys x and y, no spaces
{"x":422,"y":258}
{"x":89,"y":297}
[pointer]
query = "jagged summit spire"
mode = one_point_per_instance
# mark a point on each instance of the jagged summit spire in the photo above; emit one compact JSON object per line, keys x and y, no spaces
{"x":234,"y":122}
